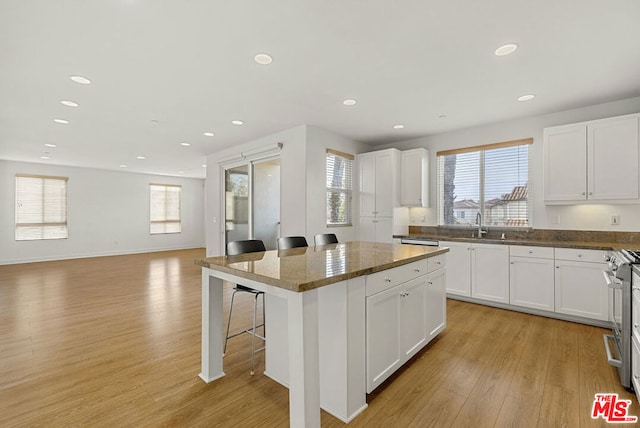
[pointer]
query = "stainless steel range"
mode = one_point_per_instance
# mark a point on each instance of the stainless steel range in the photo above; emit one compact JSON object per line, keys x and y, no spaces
{"x":619,"y":280}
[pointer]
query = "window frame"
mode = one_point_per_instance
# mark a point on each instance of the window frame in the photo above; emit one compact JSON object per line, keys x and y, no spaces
{"x":347,"y":191}
{"x":165,"y":221}
{"x":481,"y":149}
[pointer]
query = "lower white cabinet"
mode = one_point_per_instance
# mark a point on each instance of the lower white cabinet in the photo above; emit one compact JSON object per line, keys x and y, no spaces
{"x":477,"y":270}
{"x":401,"y":320}
{"x":531,"y":277}
{"x":579,"y":287}
{"x":459,"y":272}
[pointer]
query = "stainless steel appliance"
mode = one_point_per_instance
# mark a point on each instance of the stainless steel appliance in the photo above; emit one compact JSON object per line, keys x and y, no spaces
{"x":619,"y":280}
{"x":420,"y":241}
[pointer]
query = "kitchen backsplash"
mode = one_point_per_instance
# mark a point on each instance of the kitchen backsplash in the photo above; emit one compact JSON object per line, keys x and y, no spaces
{"x":631,"y":238}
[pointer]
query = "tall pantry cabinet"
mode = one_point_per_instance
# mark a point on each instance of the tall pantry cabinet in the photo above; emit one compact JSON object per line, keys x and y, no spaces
{"x":379,"y":194}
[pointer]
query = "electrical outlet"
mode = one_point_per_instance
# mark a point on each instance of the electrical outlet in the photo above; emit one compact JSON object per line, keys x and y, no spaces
{"x":555,"y":219}
{"x":615,"y":219}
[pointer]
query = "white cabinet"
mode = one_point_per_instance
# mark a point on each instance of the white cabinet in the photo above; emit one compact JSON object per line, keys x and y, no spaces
{"x":405,"y":309}
{"x":478,"y":270}
{"x":414,"y":183}
{"x":459,"y":272}
{"x":436,"y":303}
{"x":490,"y":272}
{"x":579,"y":287}
{"x":379,"y":182}
{"x":377,"y":229}
{"x":378,"y":194}
{"x":531,"y":277}
{"x":594,"y":161}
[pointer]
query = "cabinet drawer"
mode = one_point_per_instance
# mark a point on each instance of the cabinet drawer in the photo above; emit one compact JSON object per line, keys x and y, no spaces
{"x":580,"y":255}
{"x":380,"y":281}
{"x":436,"y":262}
{"x":531,"y":251}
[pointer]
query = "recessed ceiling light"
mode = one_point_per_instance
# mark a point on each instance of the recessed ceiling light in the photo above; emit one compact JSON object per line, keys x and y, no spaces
{"x":140,"y":157}
{"x":80,"y":79}
{"x":180,"y":172}
{"x":398,"y":126}
{"x":123,"y":166}
{"x":185,"y":144}
{"x":50,"y":145}
{"x":204,"y":165}
{"x":263,"y":59}
{"x":61,"y":121}
{"x":209,"y":134}
{"x":506,"y":49}
{"x":45,"y":157}
{"x":349,"y":102}
{"x":527,"y":97}
{"x":237,"y":122}
{"x":69,"y":103}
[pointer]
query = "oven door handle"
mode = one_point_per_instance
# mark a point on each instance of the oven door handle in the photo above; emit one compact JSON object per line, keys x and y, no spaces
{"x":612,"y":281}
{"x":612,"y":361}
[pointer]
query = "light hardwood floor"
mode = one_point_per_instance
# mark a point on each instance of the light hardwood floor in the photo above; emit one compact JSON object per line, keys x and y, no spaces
{"x":115,"y":341}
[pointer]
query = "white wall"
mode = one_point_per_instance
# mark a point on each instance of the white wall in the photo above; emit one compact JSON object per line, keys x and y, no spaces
{"x":572,"y":217}
{"x":302,"y":195}
{"x":107,"y":213}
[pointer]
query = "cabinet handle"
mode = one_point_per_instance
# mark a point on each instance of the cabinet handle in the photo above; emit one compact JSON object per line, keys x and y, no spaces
{"x":530,"y":252}
{"x":387,"y":280}
{"x":430,"y":282}
{"x":438,"y":263}
{"x":583,"y":193}
{"x":512,"y":263}
{"x":635,"y":288}
{"x":579,"y":255}
{"x":636,"y":377}
{"x":636,"y":325}
{"x":557,"y":267}
{"x":416,"y":270}
{"x":590,"y":193}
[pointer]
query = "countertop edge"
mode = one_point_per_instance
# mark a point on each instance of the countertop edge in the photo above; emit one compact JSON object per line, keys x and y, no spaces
{"x":605,"y":246}
{"x":305,"y":286}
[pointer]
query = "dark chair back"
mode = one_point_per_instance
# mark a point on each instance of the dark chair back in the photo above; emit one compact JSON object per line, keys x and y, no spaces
{"x":325,"y":238}
{"x":287,"y":242}
{"x":247,"y":246}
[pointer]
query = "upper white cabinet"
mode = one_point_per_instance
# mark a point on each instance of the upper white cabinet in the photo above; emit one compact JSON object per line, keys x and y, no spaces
{"x":592,"y":161}
{"x":378,"y":182}
{"x":414,"y":182}
{"x":379,"y":194}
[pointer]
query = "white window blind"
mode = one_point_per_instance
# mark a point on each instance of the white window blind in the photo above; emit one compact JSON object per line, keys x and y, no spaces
{"x":165,"y":208}
{"x":41,"y":207}
{"x":491,"y":180}
{"x":339,"y":187}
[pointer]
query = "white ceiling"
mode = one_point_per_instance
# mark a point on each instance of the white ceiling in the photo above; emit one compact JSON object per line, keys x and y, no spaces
{"x":165,"y":72}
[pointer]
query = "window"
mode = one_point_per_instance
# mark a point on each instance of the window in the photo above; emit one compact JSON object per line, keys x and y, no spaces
{"x":491,"y":180}
{"x":165,"y":208}
{"x":339,"y":187}
{"x":41,"y":207}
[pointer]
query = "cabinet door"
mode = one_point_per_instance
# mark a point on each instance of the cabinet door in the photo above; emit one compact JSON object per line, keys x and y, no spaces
{"x":383,"y":336}
{"x":436,"y":303}
{"x":531,"y":283}
{"x":384,"y":184}
{"x":367,"y":174}
{"x":490,"y":272}
{"x":413,"y":324}
{"x":581,"y":290}
{"x":612,"y":148}
{"x":384,"y":229}
{"x":565,"y":163}
{"x":414,"y":183}
{"x":458,"y":280}
{"x":367,"y":229}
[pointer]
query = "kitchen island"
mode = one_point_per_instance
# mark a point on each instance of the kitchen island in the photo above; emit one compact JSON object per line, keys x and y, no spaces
{"x":316,"y":315}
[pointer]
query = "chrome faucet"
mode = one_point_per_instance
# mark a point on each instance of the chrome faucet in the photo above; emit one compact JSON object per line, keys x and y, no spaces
{"x":479,"y":223}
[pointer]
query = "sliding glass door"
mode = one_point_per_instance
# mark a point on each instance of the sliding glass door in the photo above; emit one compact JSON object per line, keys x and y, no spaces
{"x":252,"y":201}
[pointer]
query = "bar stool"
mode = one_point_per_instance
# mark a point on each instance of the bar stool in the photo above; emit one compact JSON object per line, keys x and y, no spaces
{"x":287,"y":242}
{"x":325,"y":238}
{"x":242,"y":247}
